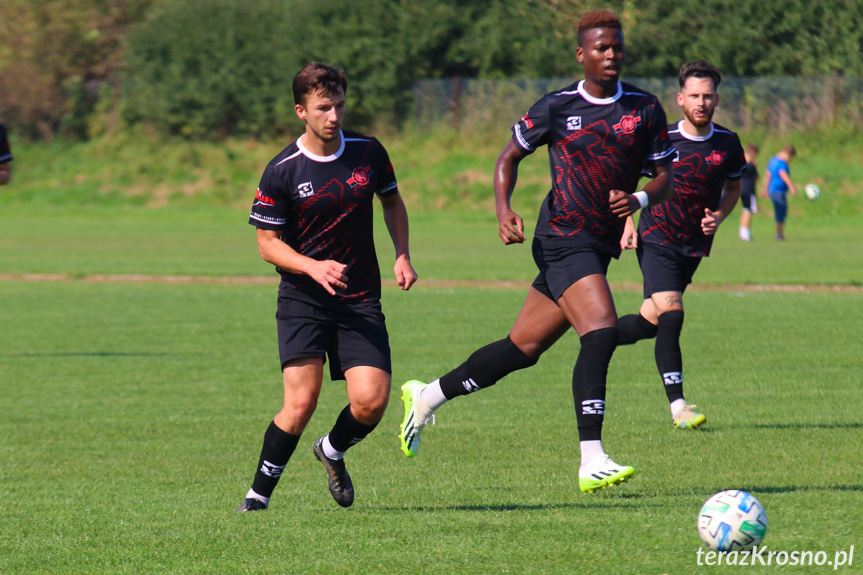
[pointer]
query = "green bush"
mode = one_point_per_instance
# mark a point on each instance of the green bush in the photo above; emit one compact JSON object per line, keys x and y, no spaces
{"x":214,"y":67}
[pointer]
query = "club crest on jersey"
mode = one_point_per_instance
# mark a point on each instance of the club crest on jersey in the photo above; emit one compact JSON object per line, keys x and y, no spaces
{"x":716,"y":158}
{"x":305,"y":189}
{"x":360,"y":177}
{"x":627,"y":124}
{"x":261,"y":199}
{"x":573,"y":123}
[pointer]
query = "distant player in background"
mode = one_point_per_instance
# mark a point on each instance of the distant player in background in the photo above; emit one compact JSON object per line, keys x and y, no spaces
{"x":777,"y":184}
{"x":748,"y":191}
{"x":313,"y":212}
{"x":5,"y":157}
{"x":672,"y":237}
{"x":600,"y":133}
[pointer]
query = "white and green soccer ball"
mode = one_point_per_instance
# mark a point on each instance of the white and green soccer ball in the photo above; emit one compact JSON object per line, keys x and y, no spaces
{"x":813,"y":192}
{"x":732,"y":521}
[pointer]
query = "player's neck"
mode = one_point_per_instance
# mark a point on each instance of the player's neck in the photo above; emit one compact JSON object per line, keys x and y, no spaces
{"x":319,"y":147}
{"x":699,"y":131}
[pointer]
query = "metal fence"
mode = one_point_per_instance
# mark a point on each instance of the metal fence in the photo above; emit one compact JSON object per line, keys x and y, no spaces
{"x":775,"y":103}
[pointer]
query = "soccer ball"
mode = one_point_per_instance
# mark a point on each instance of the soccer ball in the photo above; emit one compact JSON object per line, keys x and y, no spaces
{"x":732,"y":521}
{"x":812,"y":191}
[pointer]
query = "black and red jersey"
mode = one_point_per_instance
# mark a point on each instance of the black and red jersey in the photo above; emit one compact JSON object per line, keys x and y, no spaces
{"x":323,"y":207}
{"x":594,"y":146}
{"x":5,"y":151}
{"x":701,"y":167}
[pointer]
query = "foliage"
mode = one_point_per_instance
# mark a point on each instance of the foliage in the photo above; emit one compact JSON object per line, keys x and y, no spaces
{"x":214,"y":67}
{"x":56,"y":56}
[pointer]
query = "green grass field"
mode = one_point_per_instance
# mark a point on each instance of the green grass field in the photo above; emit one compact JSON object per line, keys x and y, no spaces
{"x":133,"y":411}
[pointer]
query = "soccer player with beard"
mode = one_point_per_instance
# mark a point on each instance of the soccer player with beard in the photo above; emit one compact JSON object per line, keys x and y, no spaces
{"x":600,"y":132}
{"x":314,"y":213}
{"x":673,"y":236}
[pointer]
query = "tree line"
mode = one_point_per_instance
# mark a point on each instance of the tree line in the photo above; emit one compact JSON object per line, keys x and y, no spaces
{"x":218,"y":68}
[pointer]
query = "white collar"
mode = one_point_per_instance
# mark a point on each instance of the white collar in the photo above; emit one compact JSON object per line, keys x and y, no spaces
{"x":689,"y":136}
{"x":600,"y":101}
{"x":312,"y":156}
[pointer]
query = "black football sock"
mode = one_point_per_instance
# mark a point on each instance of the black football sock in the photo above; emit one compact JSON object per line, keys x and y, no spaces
{"x":589,"y":379}
{"x":633,"y":328}
{"x":347,"y":431}
{"x":277,"y":450}
{"x":669,"y":360}
{"x":485,"y":367}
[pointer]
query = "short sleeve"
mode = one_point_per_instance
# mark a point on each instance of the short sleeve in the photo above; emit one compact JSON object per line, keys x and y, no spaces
{"x":660,"y":151}
{"x":533,"y":129}
{"x":387,"y":184}
{"x":269,"y":208}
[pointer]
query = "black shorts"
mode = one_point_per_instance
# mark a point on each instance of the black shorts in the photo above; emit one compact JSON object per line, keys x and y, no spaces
{"x":349,"y":334}
{"x":665,"y":269}
{"x":747,"y":200}
{"x":562,"y":262}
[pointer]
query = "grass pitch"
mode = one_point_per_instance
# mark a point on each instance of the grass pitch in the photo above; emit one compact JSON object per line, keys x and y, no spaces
{"x":133,"y":414}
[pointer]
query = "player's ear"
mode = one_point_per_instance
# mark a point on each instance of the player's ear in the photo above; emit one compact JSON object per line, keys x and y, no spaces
{"x":301,"y":112}
{"x":579,"y":54}
{"x":716,"y":98}
{"x":680,"y":99}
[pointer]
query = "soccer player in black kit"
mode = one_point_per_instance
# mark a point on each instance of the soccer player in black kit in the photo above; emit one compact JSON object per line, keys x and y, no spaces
{"x":313,"y":212}
{"x":672,"y":237}
{"x":5,"y":157}
{"x":600,"y":133}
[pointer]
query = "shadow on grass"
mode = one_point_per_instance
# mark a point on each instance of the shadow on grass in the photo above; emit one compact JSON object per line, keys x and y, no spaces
{"x":86,"y":354}
{"x":808,"y":426}
{"x":757,"y":489}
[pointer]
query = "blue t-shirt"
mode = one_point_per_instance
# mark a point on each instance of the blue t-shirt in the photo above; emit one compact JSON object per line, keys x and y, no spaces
{"x":777,"y":184}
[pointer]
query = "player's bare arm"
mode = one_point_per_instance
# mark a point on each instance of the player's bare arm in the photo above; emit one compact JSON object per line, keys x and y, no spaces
{"x":629,"y":239}
{"x":396,"y":219}
{"x":510,"y":224}
{"x":730,"y":197}
{"x":328,"y":273}
{"x":658,"y":190}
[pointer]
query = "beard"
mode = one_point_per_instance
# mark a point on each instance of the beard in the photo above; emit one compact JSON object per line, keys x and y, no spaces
{"x":702,"y":121}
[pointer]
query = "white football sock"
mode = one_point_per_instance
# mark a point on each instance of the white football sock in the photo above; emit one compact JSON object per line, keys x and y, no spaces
{"x":330,"y":451}
{"x":432,"y":395}
{"x":677,"y":405}
{"x":252,"y":495}
{"x":589,"y":450}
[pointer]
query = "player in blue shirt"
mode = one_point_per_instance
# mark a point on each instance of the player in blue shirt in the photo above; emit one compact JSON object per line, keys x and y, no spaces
{"x":313,"y":213}
{"x":599,"y":132}
{"x":673,"y":236}
{"x":777,"y":184}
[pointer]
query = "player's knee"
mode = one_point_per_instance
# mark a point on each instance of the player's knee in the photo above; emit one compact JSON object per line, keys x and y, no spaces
{"x":671,"y":321}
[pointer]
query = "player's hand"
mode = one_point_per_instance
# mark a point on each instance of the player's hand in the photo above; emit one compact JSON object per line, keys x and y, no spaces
{"x":329,"y":273}
{"x":622,"y":204}
{"x":629,"y":239}
{"x":405,"y":274}
{"x":710,"y":222}
{"x":510,"y":228}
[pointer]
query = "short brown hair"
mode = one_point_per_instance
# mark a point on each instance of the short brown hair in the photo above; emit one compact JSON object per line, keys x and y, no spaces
{"x":752,"y":149}
{"x":790,"y":150}
{"x":597,"y":19}
{"x":318,"y":78}
{"x":699,"y":69}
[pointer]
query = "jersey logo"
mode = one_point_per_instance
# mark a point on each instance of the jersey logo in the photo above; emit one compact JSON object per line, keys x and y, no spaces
{"x":261,"y":199}
{"x":573,"y":123}
{"x":360,"y":177}
{"x":528,"y":123}
{"x":716,"y":158}
{"x":627,"y":124}
{"x":305,"y":189}
{"x":593,"y":407}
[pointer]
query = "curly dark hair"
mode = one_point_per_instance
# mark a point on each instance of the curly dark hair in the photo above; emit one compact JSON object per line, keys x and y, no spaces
{"x":317,"y":78}
{"x":597,"y":19}
{"x":699,"y":69}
